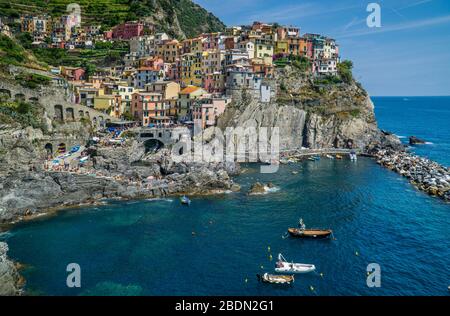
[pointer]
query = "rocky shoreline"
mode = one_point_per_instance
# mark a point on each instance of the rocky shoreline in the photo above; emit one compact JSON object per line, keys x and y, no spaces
{"x":11,"y":282}
{"x":426,"y":175}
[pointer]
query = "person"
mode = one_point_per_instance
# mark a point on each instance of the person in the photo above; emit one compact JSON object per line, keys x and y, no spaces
{"x":301,"y":224}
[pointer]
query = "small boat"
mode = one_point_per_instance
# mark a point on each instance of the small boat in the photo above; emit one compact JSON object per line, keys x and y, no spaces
{"x":283,"y":265}
{"x":185,"y":200}
{"x":310,"y":233}
{"x":311,"y":159}
{"x":276,"y":279}
{"x":302,"y":232}
{"x":330,"y":157}
{"x":338,"y":156}
{"x":353,"y":156}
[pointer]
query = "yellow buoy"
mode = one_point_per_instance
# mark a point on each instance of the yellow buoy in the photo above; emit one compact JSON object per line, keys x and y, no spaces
{"x":270,"y":257}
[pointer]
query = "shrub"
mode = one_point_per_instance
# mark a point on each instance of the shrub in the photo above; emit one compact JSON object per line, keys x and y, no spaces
{"x":345,"y":71}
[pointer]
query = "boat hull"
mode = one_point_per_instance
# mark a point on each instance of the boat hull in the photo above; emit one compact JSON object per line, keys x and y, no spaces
{"x":276,"y":279}
{"x":310,"y":233}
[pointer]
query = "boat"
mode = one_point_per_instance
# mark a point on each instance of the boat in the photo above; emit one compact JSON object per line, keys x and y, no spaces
{"x":338,"y":156}
{"x":353,"y":156}
{"x":330,"y":157}
{"x":276,"y":279}
{"x":302,"y":232}
{"x":310,"y":233}
{"x":311,"y":159}
{"x":185,"y":200}
{"x":283,"y":265}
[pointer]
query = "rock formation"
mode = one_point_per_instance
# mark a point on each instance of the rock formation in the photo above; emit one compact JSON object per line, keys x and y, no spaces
{"x":10,"y":281}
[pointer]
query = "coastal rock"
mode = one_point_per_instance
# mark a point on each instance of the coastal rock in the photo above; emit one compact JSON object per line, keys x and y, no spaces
{"x":9,"y":277}
{"x":257,"y":188}
{"x":413,"y":140}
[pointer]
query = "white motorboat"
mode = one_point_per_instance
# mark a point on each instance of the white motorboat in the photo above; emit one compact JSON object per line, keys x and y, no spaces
{"x":284,"y":266}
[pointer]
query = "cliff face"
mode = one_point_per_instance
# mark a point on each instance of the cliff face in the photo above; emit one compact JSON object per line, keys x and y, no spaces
{"x":312,"y":113}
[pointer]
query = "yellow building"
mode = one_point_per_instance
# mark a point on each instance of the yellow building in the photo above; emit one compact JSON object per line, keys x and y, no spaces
{"x":169,"y":51}
{"x":191,"y":70}
{"x":104,"y":102}
{"x":282,"y":47}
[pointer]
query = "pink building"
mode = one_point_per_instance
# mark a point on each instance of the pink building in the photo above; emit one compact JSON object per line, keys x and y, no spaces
{"x":128,"y":30}
{"x":73,"y":73}
{"x":214,"y":82}
{"x":206,"y":110}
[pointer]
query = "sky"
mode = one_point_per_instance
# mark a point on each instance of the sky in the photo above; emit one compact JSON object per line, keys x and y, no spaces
{"x":408,"y":55}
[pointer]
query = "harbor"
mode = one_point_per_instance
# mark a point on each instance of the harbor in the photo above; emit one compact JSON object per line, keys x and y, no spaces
{"x":223,"y":241}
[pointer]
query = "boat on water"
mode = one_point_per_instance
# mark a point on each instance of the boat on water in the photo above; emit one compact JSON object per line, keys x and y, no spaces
{"x":185,"y":200}
{"x":330,"y":157}
{"x":314,"y":233}
{"x":283,"y":265}
{"x":338,"y":156}
{"x":353,"y":156}
{"x":276,"y":279}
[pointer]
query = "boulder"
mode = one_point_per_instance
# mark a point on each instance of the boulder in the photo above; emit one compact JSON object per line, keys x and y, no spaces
{"x":413,"y":140}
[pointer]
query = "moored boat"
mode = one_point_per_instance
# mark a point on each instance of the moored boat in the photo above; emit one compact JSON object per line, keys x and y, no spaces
{"x":185,"y":200}
{"x":302,"y":232}
{"x":283,"y":265}
{"x":276,"y":279}
{"x":338,"y":156}
{"x":310,"y":233}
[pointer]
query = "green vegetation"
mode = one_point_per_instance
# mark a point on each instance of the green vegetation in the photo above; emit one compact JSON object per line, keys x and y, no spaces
{"x":11,"y":52}
{"x":103,"y":54}
{"x":32,"y":81}
{"x":301,"y":63}
{"x":22,"y":113}
{"x":327,"y":80}
{"x":345,"y":71}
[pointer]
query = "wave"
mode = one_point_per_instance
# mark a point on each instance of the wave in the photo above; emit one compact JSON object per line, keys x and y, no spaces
{"x":272,"y":190}
{"x":5,"y":235}
{"x":160,"y":199}
{"x":401,"y":137}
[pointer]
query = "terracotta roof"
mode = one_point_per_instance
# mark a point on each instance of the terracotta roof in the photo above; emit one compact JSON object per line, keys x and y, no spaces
{"x":189,"y":90}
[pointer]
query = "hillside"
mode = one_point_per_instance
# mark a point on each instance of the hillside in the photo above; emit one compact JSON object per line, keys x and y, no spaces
{"x":179,"y":18}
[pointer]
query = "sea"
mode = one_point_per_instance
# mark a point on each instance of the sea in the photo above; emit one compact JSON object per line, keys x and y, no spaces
{"x":388,"y":237}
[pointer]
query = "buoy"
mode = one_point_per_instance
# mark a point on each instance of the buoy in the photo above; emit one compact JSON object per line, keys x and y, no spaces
{"x":262,"y":267}
{"x":321,"y":274}
{"x":270,"y":257}
{"x":268,"y":248}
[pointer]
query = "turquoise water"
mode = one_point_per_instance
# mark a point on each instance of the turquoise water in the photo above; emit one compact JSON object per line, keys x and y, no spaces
{"x":148,"y":247}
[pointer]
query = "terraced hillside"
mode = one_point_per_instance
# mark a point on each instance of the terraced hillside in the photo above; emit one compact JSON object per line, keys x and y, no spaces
{"x":179,"y":18}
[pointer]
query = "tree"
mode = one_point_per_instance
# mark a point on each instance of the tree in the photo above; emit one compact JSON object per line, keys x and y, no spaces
{"x":345,"y":70}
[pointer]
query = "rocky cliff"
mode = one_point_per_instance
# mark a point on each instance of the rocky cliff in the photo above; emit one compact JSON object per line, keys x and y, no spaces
{"x":10,"y":280}
{"x":312,"y":112}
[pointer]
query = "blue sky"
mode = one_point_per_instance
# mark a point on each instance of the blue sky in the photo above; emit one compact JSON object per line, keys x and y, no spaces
{"x":409,"y":54}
